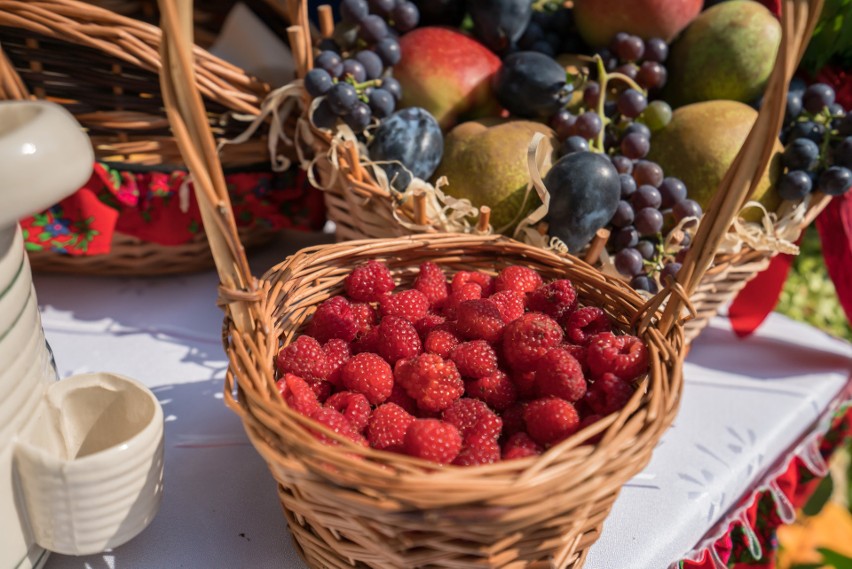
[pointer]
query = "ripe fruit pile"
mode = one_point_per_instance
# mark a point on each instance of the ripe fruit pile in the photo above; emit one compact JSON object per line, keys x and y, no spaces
{"x":469,"y":371}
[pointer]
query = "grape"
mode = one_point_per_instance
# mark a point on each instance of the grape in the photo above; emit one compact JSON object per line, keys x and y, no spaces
{"x":651,"y":75}
{"x":544,"y":48}
{"x":646,"y":196}
{"x":588,"y":125}
{"x":373,"y":29}
{"x":794,"y":105}
{"x":359,"y":117}
{"x":686,"y":208}
{"x":573,"y":144}
{"x":845,"y":126}
{"x":794,"y":185}
{"x":836,"y":110}
{"x":499,"y":24}
{"x":843,"y":153}
{"x":808,"y":129}
{"x":388,"y":50}
{"x":644,"y":282}
{"x":649,"y":221}
{"x":627,"y":47}
{"x":411,"y":137}
{"x":835,"y":180}
{"x":628,"y":69}
{"x":623,"y":215}
{"x":631,"y":103}
{"x":798,"y":85}
{"x":628,"y":185}
{"x":657,"y":115}
{"x":672,"y":191}
{"x":372,"y":63}
{"x":405,"y":16}
{"x":533,"y":34}
{"x":353,"y":11}
{"x":656,"y":50}
{"x":591,"y":94}
{"x":324,"y":116}
{"x":382,"y":103}
{"x":647,"y":172}
{"x":638,"y":127}
{"x":318,"y":82}
{"x":647,"y":249}
{"x":670,"y":270}
{"x":817,"y":97}
{"x":330,"y":62}
{"x":342,"y":98}
{"x":635,"y":146}
{"x":563,"y":123}
{"x":628,"y":262}
{"x":610,"y":108}
{"x":685,"y":241}
{"x":354,"y":69}
{"x":382,"y":7}
{"x":625,"y":237}
{"x":610,"y":62}
{"x":623,"y":165}
{"x":801,"y":154}
{"x":532,"y":85}
{"x":393,"y":87}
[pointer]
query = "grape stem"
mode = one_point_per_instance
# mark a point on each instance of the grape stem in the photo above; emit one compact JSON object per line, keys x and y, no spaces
{"x":603,"y":80}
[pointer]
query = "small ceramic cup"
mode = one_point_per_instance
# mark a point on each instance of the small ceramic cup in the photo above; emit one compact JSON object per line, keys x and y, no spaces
{"x":90,"y":466}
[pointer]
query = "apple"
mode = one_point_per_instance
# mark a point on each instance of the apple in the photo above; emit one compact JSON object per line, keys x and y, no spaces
{"x":447,"y":73}
{"x":599,"y":20}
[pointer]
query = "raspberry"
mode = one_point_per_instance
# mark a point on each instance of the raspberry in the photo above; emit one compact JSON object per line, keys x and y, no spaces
{"x":333,"y":319}
{"x":369,"y":342}
{"x":497,"y":390}
{"x":590,"y":420}
{"x":489,"y":426}
{"x":556,"y":299}
{"x":368,"y":374}
{"x":625,"y":356}
{"x":433,"y":283}
{"x":305,"y":358}
{"x":335,"y":421}
{"x":528,"y":338}
{"x":520,"y":445}
{"x":480,"y":320}
{"x":337,"y":353}
{"x":513,"y":418}
{"x":431,"y":380}
{"x":434,"y":440}
{"x":509,"y":303}
{"x":550,"y":420}
{"x":409,"y":304}
{"x":584,"y":323}
{"x":368,"y":283}
{"x":353,"y":406}
{"x":365,"y":318}
{"x":559,"y":374}
{"x":475,"y":359}
{"x":427,"y":324}
{"x":298,"y":394}
{"x":399,"y":397}
{"x":469,"y":291}
{"x":525,"y":384}
{"x":466,"y":414}
{"x":387,"y":427}
{"x":485,"y":281}
{"x":321,"y":388}
{"x":478,"y":451}
{"x":579,"y":353}
{"x":398,"y":339}
{"x":608,"y":394}
{"x":441,"y":342}
{"x":517,"y":278}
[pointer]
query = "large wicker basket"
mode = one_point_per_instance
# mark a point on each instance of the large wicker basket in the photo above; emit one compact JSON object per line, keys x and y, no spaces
{"x":103,"y":68}
{"x":361,"y":207}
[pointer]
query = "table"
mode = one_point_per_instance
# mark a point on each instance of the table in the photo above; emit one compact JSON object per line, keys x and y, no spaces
{"x":747,"y":405}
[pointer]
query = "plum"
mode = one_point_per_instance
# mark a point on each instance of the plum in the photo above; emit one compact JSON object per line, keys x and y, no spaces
{"x":499,"y":23}
{"x":410,"y":138}
{"x":532,"y":85}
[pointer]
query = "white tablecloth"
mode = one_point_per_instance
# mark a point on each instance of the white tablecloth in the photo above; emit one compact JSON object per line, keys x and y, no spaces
{"x":746,"y":405}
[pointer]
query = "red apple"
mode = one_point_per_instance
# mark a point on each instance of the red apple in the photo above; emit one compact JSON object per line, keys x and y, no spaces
{"x":447,"y":73}
{"x":599,"y":20}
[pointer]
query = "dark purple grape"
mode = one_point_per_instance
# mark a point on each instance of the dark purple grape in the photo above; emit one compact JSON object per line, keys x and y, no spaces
{"x":836,"y":110}
{"x":353,"y":11}
{"x":628,"y":262}
{"x":656,"y":50}
{"x":686,"y":208}
{"x":563,"y":123}
{"x":623,"y":215}
{"x":544,"y":48}
{"x":635,"y":146}
{"x":686,"y":240}
{"x":388,"y":50}
{"x":651,"y":75}
{"x":647,"y":172}
{"x":628,"y":69}
{"x":794,"y":185}
{"x":627,"y":47}
{"x":625,"y":237}
{"x":534,"y":33}
{"x":817,"y":97}
{"x":797,"y":85}
{"x":324,"y":116}
{"x":610,"y":108}
{"x":646,"y":196}
{"x":588,"y":125}
{"x":330,"y":62}
{"x":670,"y":271}
{"x":835,"y":181}
{"x":342,"y":98}
{"x":631,"y":103}
{"x":647,"y":249}
{"x":393,"y":87}
{"x":405,"y":16}
{"x":318,"y":82}
{"x":843,"y":153}
{"x":499,"y":24}
{"x":373,"y":29}
{"x":644,"y":282}
{"x":794,"y":106}
{"x":532,"y":85}
{"x":844,"y":128}
{"x":359,"y":117}
{"x":382,"y":7}
{"x":637,"y":127}
{"x":411,"y":138}
{"x":609,"y":60}
{"x":672,"y":191}
{"x":808,"y":129}
{"x":591,"y":94}
{"x":573,"y":144}
{"x":623,"y":165}
{"x":628,"y":185}
{"x":354,"y":69}
{"x":649,"y":221}
{"x":382,"y":103}
{"x":372,"y":63}
{"x":801,"y":154}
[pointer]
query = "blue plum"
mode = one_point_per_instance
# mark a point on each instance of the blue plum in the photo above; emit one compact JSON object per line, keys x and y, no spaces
{"x":533,"y":85}
{"x":411,"y":138}
{"x":499,"y":23}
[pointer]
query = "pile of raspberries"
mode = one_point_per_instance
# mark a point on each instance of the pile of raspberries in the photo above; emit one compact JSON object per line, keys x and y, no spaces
{"x":471,"y":371}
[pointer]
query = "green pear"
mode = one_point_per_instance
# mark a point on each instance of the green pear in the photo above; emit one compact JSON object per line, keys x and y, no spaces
{"x":485,"y":161}
{"x":700,"y":144}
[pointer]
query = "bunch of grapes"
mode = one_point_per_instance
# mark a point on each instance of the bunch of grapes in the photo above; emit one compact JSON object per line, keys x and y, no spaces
{"x":351,"y":71}
{"x":551,"y":32}
{"x":818,"y":138}
{"x":641,"y":60}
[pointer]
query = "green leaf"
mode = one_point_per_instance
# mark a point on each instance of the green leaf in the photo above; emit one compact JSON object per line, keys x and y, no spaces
{"x":836,"y":560}
{"x":33,"y":246}
{"x":832,"y":36}
{"x":820,"y":497}
{"x":808,"y":566}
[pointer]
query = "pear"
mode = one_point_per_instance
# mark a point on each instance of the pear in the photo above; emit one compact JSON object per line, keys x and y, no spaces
{"x":485,"y":161}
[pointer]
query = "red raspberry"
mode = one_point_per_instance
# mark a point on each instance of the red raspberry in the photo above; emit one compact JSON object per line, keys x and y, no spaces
{"x":431,"y":439}
{"x":475,"y":359}
{"x":305,"y":358}
{"x":387,"y":427}
{"x":333,"y":319}
{"x":478,"y":451}
{"x":513,"y":418}
{"x":559,"y":374}
{"x":433,"y":283}
{"x":520,"y":445}
{"x":525,"y":384}
{"x":625,"y":356}
{"x":368,"y":283}
{"x":369,"y":342}
{"x":485,"y":281}
{"x":480,"y":320}
{"x":365,"y":318}
{"x":427,"y":324}
{"x":337,"y":353}
{"x":321,"y":388}
{"x":608,"y":394}
{"x":353,"y":406}
{"x":409,"y":304}
{"x":556,"y":299}
{"x":336,"y":422}
{"x":550,"y":420}
{"x":509,"y":303}
{"x":298,"y":394}
{"x":517,"y":278}
{"x":398,"y":339}
{"x":488,"y":426}
{"x":472,"y":416}
{"x":469,"y":291}
{"x":399,"y":397}
{"x":368,"y":374}
{"x":584,"y":323}
{"x":528,"y":338}
{"x":431,"y":380}
{"x":579,"y":353}
{"x":497,"y":390}
{"x":441,"y":342}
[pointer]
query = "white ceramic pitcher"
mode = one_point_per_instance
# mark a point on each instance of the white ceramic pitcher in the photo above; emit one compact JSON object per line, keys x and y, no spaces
{"x":80,"y":459}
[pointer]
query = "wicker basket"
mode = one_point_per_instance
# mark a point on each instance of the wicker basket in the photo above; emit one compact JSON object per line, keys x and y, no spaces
{"x":363,"y":208}
{"x":103,"y":68}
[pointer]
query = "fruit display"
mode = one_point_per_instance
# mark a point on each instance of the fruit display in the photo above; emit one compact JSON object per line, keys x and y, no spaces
{"x":462,"y":369}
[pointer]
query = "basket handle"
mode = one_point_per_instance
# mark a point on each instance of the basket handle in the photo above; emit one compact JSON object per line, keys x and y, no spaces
{"x":798,"y":19}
